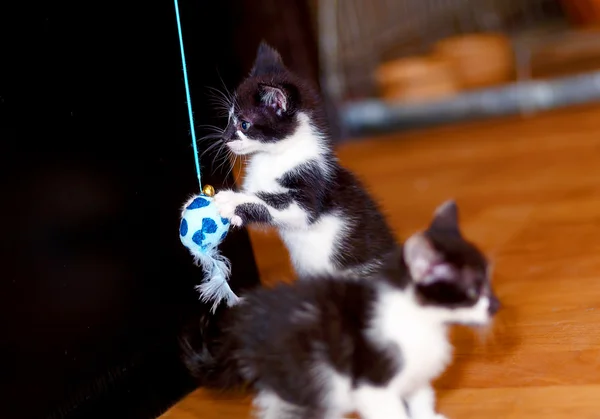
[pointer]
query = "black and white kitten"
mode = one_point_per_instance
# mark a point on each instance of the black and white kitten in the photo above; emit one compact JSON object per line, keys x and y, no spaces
{"x":323,"y":348}
{"x":293,"y":180}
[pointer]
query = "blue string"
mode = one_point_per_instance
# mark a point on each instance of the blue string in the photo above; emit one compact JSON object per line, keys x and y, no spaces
{"x":187,"y":95}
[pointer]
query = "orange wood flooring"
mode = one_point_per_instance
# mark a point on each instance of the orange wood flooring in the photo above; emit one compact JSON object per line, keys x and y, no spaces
{"x":529,"y":194}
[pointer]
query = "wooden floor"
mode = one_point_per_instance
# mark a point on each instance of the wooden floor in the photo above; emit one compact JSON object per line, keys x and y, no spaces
{"x":529,"y":192}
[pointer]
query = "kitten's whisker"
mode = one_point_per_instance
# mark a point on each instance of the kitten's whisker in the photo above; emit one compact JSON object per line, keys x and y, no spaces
{"x":218,"y":94}
{"x":243,"y":159}
{"x":234,"y":100}
{"x":207,"y":146}
{"x":216,"y":127}
{"x":224,"y":160}
{"x":212,"y":129}
{"x":231,"y":163}
{"x":223,"y":83}
{"x":214,"y":136}
{"x":221,"y":105}
{"x":239,"y":173}
{"x":218,"y":156}
{"x":230,"y":96}
{"x":210,"y":148}
{"x":220,"y":98}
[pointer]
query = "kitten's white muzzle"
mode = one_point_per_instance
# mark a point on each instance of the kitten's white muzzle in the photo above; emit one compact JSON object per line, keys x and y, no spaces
{"x":477,"y":315}
{"x":240,"y":147}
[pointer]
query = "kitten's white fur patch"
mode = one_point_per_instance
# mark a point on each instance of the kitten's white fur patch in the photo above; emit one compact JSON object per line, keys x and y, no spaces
{"x":227,"y":201}
{"x":420,"y":332}
{"x":476,"y":315}
{"x":244,"y":145}
{"x":311,"y":248}
{"x":273,"y":160}
{"x":379,"y":403}
{"x":421,"y":404}
{"x":268,"y":405}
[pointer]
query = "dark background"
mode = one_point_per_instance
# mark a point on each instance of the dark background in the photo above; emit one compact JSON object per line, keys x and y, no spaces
{"x":96,"y":161}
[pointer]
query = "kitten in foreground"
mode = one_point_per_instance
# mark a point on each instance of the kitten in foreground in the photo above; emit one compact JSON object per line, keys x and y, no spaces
{"x":324,"y":348}
{"x":293,"y":180}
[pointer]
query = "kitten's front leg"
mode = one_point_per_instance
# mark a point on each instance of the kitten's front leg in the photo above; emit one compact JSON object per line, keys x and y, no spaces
{"x":241,"y":208}
{"x":421,"y":404}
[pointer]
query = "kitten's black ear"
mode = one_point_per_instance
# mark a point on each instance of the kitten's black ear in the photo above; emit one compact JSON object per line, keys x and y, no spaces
{"x":274,"y":98}
{"x":446,"y":218}
{"x":268,"y":61}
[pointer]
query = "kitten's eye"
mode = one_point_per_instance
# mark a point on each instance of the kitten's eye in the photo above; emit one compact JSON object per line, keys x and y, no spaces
{"x":245,"y":125}
{"x":472,"y":293}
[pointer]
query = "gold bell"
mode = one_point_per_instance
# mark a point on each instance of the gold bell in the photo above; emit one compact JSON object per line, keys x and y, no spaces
{"x":208,"y":190}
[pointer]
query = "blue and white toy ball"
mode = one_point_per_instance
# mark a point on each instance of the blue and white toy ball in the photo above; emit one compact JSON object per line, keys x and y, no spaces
{"x":202,"y":230}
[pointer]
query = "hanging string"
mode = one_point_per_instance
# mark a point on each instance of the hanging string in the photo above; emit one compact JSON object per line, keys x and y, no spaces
{"x":188,"y":98}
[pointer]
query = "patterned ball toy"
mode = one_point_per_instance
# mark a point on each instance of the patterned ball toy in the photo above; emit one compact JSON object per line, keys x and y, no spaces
{"x":202,"y":228}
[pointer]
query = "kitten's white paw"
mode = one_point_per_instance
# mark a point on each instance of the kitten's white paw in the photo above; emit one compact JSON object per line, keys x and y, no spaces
{"x":236,"y":221}
{"x":226,"y":202}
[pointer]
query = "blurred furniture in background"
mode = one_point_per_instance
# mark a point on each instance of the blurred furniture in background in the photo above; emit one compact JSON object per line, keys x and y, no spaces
{"x":384,"y":59}
{"x":417,"y":79}
{"x":478,"y":60}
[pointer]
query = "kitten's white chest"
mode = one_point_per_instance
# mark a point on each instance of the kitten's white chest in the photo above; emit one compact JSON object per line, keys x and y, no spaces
{"x":262,"y":174}
{"x":426,"y":353}
{"x":425,"y":348}
{"x":264,"y":169}
{"x":311,"y":248}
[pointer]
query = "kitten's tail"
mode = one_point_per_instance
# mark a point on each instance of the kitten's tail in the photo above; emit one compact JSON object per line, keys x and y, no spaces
{"x":208,"y":354}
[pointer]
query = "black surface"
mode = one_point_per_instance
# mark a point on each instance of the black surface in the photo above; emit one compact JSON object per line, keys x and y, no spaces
{"x":96,"y":161}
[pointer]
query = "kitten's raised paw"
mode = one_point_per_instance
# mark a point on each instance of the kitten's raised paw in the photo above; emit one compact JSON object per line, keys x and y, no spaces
{"x":226,"y":202}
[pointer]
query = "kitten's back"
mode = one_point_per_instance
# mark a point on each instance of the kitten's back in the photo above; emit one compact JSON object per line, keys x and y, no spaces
{"x":370,"y":238}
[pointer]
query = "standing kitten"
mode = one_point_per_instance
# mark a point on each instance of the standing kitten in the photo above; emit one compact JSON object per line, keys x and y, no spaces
{"x":323,"y":348}
{"x":293,"y":180}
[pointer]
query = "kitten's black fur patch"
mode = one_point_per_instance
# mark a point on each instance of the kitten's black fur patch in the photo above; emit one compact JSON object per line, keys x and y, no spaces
{"x":253,"y":213}
{"x":370,"y":238}
{"x":278,"y":201}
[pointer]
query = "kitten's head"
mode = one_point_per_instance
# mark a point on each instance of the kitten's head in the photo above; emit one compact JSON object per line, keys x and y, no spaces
{"x":269,"y":106}
{"x":449,"y":272}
